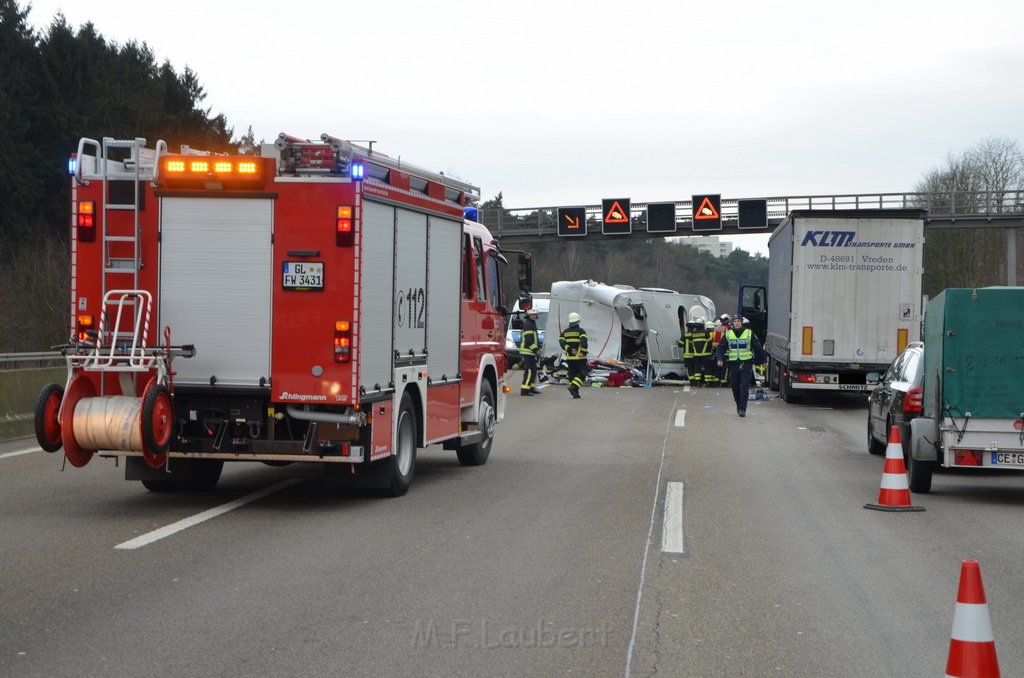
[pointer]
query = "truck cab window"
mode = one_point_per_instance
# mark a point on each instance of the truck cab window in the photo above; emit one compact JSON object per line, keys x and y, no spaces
{"x":467,"y":267}
{"x":478,"y":250}
{"x":494,"y":281}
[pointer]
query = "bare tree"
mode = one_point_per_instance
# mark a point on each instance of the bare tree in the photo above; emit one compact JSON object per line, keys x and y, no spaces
{"x":985,"y":179}
{"x":573,"y":260}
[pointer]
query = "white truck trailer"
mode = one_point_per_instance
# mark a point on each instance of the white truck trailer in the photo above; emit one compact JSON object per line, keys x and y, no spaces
{"x":844,"y":297}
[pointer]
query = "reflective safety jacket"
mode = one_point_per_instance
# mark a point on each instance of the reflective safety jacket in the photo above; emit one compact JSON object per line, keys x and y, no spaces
{"x":573,"y":341}
{"x":528,"y":341}
{"x":702,"y":345}
{"x":740,"y":346}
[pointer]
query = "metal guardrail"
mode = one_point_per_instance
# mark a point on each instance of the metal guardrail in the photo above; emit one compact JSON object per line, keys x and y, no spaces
{"x":20,"y":361}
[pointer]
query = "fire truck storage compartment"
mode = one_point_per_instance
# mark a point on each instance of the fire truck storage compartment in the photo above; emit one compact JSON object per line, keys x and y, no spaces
{"x":216,"y":277}
{"x":444,"y":276}
{"x":404,"y":275}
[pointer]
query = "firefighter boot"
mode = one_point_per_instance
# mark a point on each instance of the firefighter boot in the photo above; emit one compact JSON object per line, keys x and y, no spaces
{"x":574,"y":391}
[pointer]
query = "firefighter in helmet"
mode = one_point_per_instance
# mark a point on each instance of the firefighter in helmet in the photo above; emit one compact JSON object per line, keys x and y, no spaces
{"x":690,"y":342}
{"x":573,"y":341}
{"x":529,"y":344}
{"x":707,"y":355}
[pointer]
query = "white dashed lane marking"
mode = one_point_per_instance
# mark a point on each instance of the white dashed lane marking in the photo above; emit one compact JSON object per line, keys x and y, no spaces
{"x":672,"y":531}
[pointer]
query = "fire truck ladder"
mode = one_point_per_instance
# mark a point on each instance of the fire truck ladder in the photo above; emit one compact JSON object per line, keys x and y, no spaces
{"x":132,"y":164}
{"x":129,"y":169}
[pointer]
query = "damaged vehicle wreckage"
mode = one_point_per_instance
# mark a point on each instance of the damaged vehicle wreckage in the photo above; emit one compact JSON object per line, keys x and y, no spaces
{"x":632,"y":332}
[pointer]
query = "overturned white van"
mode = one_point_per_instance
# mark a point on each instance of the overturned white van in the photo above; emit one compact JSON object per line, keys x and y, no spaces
{"x":625,"y":323}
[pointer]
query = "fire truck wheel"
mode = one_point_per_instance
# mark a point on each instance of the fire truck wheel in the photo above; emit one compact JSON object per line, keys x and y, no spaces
{"x":205,"y":474}
{"x":477,"y":453}
{"x":403,"y":462}
{"x":47,"y":424}
{"x":157,"y":420}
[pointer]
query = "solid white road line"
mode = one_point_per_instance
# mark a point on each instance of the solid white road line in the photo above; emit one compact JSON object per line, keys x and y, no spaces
{"x":186,"y":523}
{"x":18,"y":453}
{"x":680,"y":417}
{"x":672,"y":530}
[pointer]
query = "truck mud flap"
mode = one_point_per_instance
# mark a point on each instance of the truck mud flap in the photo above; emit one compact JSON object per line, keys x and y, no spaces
{"x":924,"y":434}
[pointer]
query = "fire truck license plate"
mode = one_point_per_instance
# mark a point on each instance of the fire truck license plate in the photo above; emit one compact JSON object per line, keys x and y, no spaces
{"x":1010,"y":458}
{"x":303,"y":275}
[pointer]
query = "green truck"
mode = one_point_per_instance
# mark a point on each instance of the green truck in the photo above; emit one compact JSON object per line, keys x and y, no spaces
{"x":973,"y":403}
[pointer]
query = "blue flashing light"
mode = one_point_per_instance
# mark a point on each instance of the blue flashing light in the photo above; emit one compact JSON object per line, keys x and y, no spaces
{"x":358,"y":171}
{"x":72,"y":165}
{"x":471,"y":213}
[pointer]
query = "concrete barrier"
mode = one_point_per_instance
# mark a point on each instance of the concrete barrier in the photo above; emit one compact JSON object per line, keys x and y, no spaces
{"x":19,"y":390}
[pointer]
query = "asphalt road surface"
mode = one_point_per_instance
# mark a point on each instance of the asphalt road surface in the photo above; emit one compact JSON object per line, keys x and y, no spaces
{"x":634,"y":532}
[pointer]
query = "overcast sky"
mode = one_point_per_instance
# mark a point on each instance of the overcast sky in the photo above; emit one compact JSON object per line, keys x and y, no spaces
{"x":566,"y":103}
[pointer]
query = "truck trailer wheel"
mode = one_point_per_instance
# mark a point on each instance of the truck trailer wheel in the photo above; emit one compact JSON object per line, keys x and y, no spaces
{"x":920,"y":474}
{"x":786,"y":389}
{"x":477,"y":453}
{"x":773,"y":375}
{"x":403,"y":462}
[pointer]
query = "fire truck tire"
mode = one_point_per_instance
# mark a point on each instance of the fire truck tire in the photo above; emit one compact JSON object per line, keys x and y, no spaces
{"x":403,"y":462}
{"x":157,"y":420}
{"x":477,"y":453}
{"x":205,"y":474}
{"x":47,"y":425}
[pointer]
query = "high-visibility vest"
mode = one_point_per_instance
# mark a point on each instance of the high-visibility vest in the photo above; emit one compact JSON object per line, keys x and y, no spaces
{"x":740,"y":346}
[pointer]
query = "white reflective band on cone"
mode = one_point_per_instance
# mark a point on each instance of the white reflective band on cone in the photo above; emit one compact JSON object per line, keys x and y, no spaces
{"x":971,"y":623}
{"x":894,"y":481}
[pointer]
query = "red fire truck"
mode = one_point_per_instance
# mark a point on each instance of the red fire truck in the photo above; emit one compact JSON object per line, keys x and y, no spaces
{"x":322,"y":303}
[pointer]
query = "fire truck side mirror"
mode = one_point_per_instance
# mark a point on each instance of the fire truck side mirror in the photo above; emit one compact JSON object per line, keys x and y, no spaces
{"x":525,"y":274}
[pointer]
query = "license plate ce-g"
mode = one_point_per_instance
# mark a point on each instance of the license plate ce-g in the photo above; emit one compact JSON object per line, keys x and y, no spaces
{"x":1008,"y":458}
{"x":303,"y":275}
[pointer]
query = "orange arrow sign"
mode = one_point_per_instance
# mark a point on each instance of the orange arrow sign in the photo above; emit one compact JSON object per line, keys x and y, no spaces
{"x":573,"y":223}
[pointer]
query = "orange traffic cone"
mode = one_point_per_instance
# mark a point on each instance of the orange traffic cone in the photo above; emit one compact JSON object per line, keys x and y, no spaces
{"x":972,"y":649}
{"x":895,"y":493}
